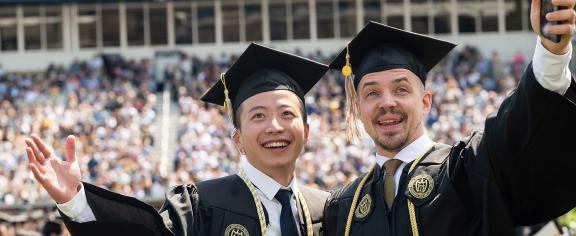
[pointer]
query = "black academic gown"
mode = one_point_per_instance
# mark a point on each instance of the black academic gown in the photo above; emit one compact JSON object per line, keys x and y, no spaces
{"x":207,"y":208}
{"x":520,"y":171}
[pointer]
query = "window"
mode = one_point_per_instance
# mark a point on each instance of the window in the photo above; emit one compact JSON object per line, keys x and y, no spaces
{"x":53,"y":20}
{"x":8,"y":35}
{"x":420,"y":24}
{"x":441,"y":17}
{"x":420,"y":11}
{"x":442,"y":23}
{"x":467,"y":11}
{"x":347,"y":18}
{"x":32,"y":37}
{"x":394,"y":10}
{"x":135,"y":25}
{"x":32,"y":28}
{"x":466,"y":24}
{"x":488,"y":14}
{"x":278,"y":24}
{"x":110,"y":27}
{"x":372,"y":9}
{"x":325,"y":19}
{"x":206,"y":24}
{"x":87,"y":26}
{"x":8,"y":38}
{"x":489,"y":21}
{"x":54,"y":35}
{"x":513,"y":15}
{"x":230,"y":23}
{"x":301,"y":20}
{"x":183,"y":24}
{"x":253,"y":18}
{"x":7,"y":13}
{"x":396,"y":21}
{"x":158,"y":25}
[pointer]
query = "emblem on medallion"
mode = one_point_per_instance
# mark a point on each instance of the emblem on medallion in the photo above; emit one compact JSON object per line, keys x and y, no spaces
{"x":236,"y":230}
{"x":421,"y":186}
{"x":363,"y":207}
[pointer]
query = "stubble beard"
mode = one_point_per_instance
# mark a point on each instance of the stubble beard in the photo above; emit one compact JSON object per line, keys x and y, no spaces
{"x":391,"y":143}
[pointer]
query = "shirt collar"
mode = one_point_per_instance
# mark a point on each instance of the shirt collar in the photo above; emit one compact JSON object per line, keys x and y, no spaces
{"x":265,"y":183}
{"x":410,"y":152}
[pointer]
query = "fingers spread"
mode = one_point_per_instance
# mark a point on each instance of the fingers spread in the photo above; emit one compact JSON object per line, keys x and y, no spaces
{"x":37,"y":175}
{"x":32,"y":160}
{"x":41,"y":146}
{"x":35,"y":151}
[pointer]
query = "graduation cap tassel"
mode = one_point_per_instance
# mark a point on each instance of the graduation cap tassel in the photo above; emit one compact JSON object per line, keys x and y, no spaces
{"x":227,"y":102}
{"x":352,"y":131}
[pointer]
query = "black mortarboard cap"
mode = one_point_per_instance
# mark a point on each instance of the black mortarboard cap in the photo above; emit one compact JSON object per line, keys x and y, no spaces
{"x":379,"y":47}
{"x":261,"y":69}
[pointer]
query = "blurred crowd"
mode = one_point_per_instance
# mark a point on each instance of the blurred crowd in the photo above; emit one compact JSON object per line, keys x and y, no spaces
{"x":110,"y":111}
{"x":110,"y":105}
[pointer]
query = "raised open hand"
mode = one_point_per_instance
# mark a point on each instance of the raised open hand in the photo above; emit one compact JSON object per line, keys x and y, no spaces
{"x":61,"y":178}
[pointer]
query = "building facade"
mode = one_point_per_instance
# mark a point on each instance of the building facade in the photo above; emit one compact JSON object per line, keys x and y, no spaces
{"x":36,"y":33}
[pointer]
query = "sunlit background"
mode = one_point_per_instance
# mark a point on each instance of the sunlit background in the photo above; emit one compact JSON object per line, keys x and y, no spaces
{"x":124,"y":77}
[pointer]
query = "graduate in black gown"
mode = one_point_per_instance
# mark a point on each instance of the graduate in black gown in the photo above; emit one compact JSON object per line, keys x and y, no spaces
{"x":519,"y":171}
{"x":263,"y":92}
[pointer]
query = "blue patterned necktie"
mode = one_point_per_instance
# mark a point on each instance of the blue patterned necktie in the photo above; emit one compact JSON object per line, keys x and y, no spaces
{"x":287,"y":222}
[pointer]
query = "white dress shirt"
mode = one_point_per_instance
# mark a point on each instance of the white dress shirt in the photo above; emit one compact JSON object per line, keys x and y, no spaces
{"x":78,"y":209}
{"x":267,"y":189}
{"x":551,"y":70}
{"x":407,"y":155}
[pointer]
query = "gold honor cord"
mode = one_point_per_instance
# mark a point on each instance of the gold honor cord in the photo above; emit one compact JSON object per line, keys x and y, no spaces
{"x":355,"y":200}
{"x":260,"y":209}
{"x":309,"y":230}
{"x":411,"y":209}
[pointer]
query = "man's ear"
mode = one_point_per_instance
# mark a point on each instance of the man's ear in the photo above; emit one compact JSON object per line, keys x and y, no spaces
{"x":427,"y":101}
{"x":237,"y":142}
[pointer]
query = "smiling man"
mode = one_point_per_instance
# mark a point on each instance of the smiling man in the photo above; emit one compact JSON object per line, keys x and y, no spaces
{"x":515,"y":172}
{"x":264,"y":93}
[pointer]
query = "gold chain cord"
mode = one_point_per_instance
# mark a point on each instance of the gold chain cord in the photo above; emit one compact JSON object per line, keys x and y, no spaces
{"x":309,"y":230}
{"x":355,"y":200}
{"x":260,"y":209}
{"x":411,"y":209}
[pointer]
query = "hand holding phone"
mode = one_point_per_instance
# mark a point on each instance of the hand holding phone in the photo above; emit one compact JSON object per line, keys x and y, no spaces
{"x":546,"y":6}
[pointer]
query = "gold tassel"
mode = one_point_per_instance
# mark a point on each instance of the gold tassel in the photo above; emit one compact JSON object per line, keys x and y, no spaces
{"x":227,"y":102}
{"x":352,"y":131}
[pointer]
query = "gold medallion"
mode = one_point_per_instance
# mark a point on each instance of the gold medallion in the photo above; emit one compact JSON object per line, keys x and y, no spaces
{"x":363,"y":207}
{"x":236,"y":230}
{"x":421,"y":186}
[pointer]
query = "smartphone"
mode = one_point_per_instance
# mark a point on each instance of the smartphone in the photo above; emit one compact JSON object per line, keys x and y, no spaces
{"x":546,"y":6}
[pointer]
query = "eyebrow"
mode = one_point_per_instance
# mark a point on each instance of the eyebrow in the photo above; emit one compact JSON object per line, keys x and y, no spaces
{"x":286,"y":106}
{"x":395,"y":81}
{"x":256,"y":108}
{"x":401,"y":79}
{"x":263,"y":108}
